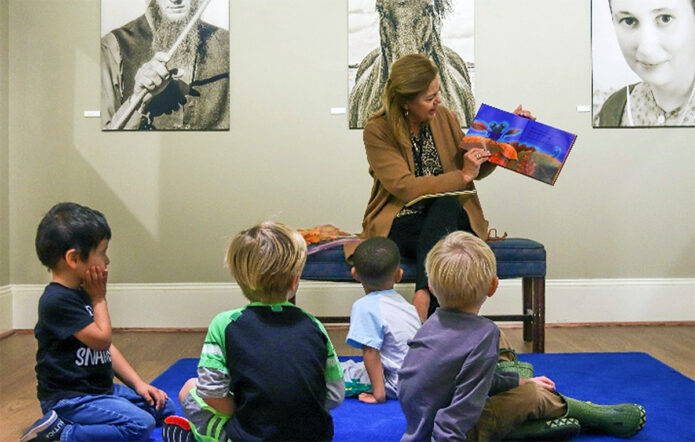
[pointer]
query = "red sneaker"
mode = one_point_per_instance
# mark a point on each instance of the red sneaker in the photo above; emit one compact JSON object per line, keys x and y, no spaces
{"x":177,"y":429}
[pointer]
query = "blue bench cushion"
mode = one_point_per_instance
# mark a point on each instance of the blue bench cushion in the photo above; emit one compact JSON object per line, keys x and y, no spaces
{"x":516,"y":258}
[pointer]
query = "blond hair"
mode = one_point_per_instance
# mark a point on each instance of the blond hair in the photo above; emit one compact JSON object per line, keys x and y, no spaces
{"x":409,"y":76}
{"x":460,"y":269}
{"x":265,"y":260}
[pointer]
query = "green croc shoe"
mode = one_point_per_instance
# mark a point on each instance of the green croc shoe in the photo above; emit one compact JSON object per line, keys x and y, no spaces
{"x":562,"y":428}
{"x":509,"y":362}
{"x":621,"y":420}
{"x":354,"y":387}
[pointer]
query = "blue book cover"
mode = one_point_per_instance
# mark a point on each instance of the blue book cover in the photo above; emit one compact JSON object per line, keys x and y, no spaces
{"x":525,"y":146}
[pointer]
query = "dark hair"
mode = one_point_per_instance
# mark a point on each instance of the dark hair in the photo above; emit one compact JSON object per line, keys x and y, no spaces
{"x":376,"y":259}
{"x":69,"y":226}
{"x":610,"y":5}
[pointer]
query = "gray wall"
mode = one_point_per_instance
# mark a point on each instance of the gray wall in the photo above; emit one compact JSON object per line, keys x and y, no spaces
{"x":4,"y":149}
{"x":622,"y":207}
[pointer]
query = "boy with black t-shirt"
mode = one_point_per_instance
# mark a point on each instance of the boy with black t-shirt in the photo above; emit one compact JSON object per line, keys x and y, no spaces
{"x":76,"y":360}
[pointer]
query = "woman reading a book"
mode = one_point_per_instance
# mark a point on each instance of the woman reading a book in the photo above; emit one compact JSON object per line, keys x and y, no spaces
{"x":657,"y":39}
{"x":412,"y":144}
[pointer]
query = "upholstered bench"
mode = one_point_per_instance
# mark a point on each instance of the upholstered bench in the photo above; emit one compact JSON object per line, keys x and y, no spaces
{"x":516,"y":258}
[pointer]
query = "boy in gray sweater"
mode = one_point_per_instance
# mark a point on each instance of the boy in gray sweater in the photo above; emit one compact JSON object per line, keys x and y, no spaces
{"x":449,"y":370}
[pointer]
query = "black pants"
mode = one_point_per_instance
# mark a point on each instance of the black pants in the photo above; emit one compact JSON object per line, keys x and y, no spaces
{"x":416,"y":234}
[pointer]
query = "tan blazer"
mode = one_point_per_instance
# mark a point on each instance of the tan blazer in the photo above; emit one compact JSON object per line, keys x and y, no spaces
{"x":392,"y":167}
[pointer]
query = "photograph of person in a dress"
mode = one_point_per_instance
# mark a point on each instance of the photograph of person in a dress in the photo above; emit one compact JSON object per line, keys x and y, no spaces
{"x":382,"y":31}
{"x":165,"y":64}
{"x":643,"y":59}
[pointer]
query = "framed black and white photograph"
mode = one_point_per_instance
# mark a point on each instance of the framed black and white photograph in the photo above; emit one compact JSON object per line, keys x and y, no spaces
{"x":165,"y":64}
{"x":643,"y":63}
{"x":381,"y":31}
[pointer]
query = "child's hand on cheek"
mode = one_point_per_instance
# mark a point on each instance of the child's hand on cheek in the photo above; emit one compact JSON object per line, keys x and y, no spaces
{"x":95,"y":282}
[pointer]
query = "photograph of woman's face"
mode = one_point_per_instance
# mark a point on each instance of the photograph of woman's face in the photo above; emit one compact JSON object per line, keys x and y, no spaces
{"x":657,"y":39}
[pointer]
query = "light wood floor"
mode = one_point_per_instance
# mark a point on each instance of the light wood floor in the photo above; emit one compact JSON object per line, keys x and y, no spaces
{"x":152,"y":352}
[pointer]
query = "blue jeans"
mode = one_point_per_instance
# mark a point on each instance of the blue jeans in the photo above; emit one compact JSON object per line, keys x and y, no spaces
{"x":121,"y":416}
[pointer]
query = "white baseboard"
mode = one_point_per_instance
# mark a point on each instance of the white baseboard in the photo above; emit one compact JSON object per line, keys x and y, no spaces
{"x":192,"y":305}
{"x":5,"y":309}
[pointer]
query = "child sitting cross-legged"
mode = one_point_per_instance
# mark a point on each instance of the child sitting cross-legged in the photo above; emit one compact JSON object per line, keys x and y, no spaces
{"x":267,"y":371}
{"x":76,"y":359}
{"x":381,"y":323}
{"x":448,"y":386}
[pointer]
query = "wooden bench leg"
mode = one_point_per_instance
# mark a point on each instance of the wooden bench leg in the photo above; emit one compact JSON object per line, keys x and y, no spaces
{"x":539,"y":315}
{"x":527,"y":307}
{"x":534,"y":303}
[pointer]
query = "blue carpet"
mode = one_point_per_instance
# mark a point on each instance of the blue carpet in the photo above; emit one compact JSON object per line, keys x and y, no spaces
{"x":603,"y":378}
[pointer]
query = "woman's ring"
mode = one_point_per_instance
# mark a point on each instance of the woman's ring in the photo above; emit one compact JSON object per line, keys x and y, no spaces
{"x":477,"y":156}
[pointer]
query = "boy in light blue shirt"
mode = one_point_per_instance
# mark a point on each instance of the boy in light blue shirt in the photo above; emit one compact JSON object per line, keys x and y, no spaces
{"x":381,"y":323}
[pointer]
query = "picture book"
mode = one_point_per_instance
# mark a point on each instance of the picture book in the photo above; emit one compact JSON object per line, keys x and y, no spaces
{"x":437,"y":195}
{"x":525,"y":146}
{"x":326,"y":236}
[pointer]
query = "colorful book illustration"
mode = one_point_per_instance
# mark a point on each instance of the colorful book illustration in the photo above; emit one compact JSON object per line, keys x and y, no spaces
{"x":437,"y":195}
{"x":525,"y":146}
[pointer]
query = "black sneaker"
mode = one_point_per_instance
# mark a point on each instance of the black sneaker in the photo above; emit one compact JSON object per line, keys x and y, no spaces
{"x":48,"y":428}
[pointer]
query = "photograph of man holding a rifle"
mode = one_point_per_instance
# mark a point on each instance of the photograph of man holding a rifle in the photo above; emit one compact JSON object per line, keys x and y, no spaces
{"x":166,"y":70}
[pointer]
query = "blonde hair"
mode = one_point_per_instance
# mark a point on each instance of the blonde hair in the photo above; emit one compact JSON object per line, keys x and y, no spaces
{"x":460,"y":268}
{"x":265,"y":260}
{"x":410,"y":75}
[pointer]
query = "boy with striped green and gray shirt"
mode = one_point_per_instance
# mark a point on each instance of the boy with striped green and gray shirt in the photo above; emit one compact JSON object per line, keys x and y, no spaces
{"x":267,"y":371}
